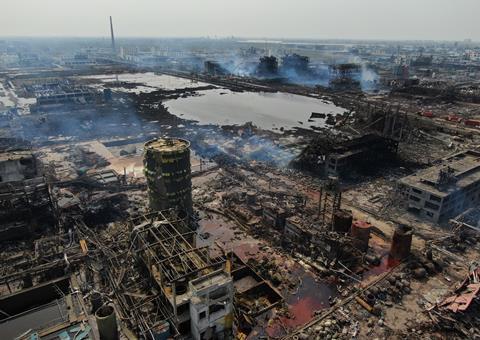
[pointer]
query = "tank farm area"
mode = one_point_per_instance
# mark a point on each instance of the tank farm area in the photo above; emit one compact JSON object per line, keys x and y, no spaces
{"x":135,"y":205}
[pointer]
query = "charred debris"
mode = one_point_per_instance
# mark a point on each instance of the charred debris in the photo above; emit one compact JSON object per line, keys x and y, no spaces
{"x":122,"y":220}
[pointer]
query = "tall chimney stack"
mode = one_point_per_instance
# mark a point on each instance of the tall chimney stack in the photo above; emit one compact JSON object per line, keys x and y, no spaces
{"x":113,"y":37}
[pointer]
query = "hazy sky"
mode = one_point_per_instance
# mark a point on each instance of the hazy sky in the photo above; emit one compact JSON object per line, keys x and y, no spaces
{"x":373,"y":19}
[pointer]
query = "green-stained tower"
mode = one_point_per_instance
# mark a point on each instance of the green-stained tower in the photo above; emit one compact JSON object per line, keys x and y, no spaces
{"x":168,"y":173}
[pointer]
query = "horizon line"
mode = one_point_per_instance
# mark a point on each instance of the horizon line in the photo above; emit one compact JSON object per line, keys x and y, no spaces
{"x":259,"y":39}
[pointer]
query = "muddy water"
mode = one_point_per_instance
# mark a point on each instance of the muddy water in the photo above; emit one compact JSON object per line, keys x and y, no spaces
{"x":266,"y":110}
{"x":149,"y":80}
{"x":309,"y":296}
{"x":221,"y":106}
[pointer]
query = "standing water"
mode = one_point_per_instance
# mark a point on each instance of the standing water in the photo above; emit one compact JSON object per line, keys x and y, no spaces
{"x":269,"y":111}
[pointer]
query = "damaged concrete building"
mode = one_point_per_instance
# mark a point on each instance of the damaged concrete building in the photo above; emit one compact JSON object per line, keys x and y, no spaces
{"x":17,"y":166}
{"x":359,"y":153}
{"x":199,"y":288}
{"x":25,"y":202}
{"x":445,"y":190}
{"x":363,"y":154}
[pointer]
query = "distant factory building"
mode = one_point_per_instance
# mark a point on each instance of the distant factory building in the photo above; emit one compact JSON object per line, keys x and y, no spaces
{"x":76,"y":96}
{"x":297,"y":63}
{"x":346,"y":77}
{"x":213,"y":68}
{"x":446,"y":190}
{"x":79,"y":60}
{"x":57,"y":93}
{"x":268,"y":66}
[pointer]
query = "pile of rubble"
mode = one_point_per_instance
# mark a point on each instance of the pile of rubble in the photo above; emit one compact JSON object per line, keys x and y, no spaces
{"x":457,"y":313}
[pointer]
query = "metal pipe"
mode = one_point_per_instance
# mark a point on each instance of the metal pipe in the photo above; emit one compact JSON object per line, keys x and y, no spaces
{"x":107,"y":323}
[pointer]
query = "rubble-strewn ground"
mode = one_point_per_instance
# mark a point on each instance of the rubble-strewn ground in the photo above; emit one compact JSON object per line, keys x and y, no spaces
{"x":322,"y":297}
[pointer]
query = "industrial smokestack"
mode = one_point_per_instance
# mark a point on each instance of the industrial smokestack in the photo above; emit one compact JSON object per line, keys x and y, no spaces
{"x":113,"y":37}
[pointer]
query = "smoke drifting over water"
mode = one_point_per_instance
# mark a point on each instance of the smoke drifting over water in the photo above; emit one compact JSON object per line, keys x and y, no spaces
{"x":234,"y":144}
{"x":78,"y":125}
{"x":243,"y":146}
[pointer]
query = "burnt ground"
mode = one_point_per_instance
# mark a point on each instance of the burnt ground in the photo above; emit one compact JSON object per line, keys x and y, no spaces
{"x":319,"y":302}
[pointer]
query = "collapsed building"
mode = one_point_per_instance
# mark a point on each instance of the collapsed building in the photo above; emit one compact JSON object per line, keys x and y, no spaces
{"x":41,"y":289}
{"x":445,"y":190}
{"x":360,"y":153}
{"x":339,"y":159}
{"x":50,"y":310}
{"x":25,"y":208}
{"x":74,"y":96}
{"x":25,"y":202}
{"x":198,"y":288}
{"x":374,"y":144}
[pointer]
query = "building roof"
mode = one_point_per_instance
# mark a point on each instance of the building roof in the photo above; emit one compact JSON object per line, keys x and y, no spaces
{"x":464,"y":167}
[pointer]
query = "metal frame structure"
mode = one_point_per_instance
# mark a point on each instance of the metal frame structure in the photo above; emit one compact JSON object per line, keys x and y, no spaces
{"x":51,"y":254}
{"x":136,"y":304}
{"x":329,"y":201}
{"x":157,"y":251}
{"x":167,"y":241}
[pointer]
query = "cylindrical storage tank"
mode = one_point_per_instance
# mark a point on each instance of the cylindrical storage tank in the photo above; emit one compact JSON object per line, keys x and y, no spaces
{"x":401,"y":242}
{"x":106,"y":323}
{"x":161,"y":331}
{"x":360,"y":233}
{"x":168,"y":173}
{"x":251,"y":197}
{"x":342,"y":221}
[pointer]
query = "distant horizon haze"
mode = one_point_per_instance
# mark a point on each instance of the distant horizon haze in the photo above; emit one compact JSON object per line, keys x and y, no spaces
{"x":443,"y":20}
